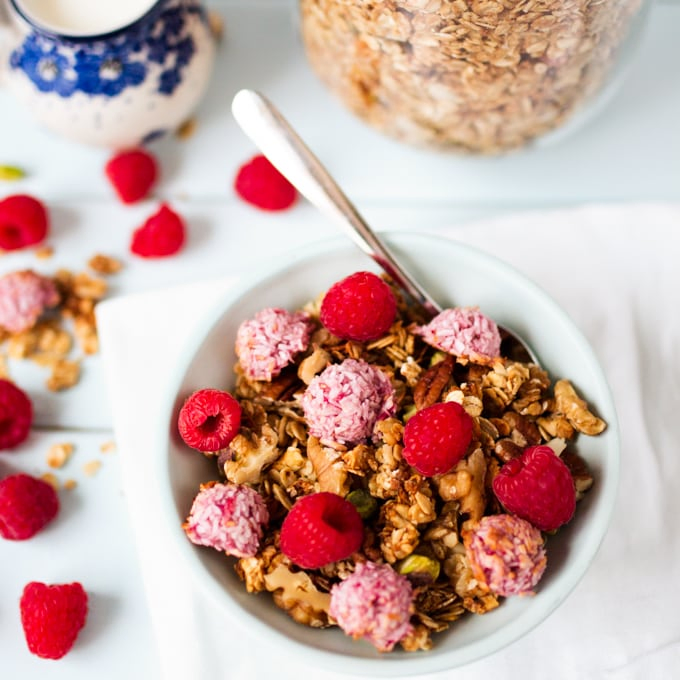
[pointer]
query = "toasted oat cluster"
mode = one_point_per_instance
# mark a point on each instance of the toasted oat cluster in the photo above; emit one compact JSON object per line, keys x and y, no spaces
{"x":483,"y":76}
{"x":49,"y":340}
{"x":416,"y":525}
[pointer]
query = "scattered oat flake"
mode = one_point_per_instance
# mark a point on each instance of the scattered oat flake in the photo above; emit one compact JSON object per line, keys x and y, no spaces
{"x":186,"y":129}
{"x":11,"y":173}
{"x":70,"y":484}
{"x":92,"y":467}
{"x":58,"y":454}
{"x":108,"y":447}
{"x":104,"y":264}
{"x":44,"y":252}
{"x":65,"y":374}
{"x":51,"y":479}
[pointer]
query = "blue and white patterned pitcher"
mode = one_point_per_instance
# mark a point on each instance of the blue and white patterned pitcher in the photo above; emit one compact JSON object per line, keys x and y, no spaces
{"x":116,"y":73}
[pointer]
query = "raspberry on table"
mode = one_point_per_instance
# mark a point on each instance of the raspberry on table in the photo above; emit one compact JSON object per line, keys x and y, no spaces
{"x":163,"y":234}
{"x":259,"y":183}
{"x":437,"y":437}
{"x":24,"y":221}
{"x":209,"y":419}
{"x":16,"y":415}
{"x":319,"y":529}
{"x":52,"y":616}
{"x":227,"y":517}
{"x":537,"y":487}
{"x":133,"y":174}
{"x":507,"y":554}
{"x":360,"y":307}
{"x":24,"y":296}
{"x":27,"y":505}
{"x":374,"y":603}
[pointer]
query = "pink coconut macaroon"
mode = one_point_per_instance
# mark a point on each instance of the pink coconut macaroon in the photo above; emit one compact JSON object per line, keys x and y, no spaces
{"x":507,"y":554}
{"x":463,"y":332}
{"x":268,"y":342}
{"x":344,"y":402}
{"x":374,"y":603}
{"x":24,"y":296}
{"x":227,"y":517}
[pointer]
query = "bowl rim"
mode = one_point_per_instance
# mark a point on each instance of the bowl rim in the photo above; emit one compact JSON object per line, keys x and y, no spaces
{"x":384,"y":665}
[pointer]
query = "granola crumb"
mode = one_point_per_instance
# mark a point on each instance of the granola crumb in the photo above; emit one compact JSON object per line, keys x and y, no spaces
{"x":51,"y":479}
{"x":59,"y":454}
{"x":70,"y":484}
{"x":44,"y":252}
{"x":91,"y":468}
{"x":104,"y":264}
{"x":4,"y":368}
{"x":108,"y":447}
{"x":65,"y":374}
{"x":186,"y":129}
{"x":216,"y":23}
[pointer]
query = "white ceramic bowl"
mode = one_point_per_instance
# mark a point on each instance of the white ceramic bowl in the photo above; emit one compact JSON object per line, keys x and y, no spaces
{"x":456,"y":275}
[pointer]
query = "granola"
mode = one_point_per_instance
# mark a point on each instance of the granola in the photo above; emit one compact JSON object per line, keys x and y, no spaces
{"x":483,"y":76}
{"x":49,"y":341}
{"x":415,"y":525}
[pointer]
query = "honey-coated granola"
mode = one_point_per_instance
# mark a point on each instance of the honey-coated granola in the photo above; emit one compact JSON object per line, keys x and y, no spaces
{"x":413,"y":523}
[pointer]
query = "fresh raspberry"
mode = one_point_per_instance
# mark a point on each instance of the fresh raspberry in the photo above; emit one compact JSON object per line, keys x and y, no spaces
{"x":52,"y":617}
{"x":161,"y":235}
{"x":16,"y":415}
{"x":209,"y":420}
{"x":27,"y":505}
{"x":537,"y":487}
{"x":132,"y":174}
{"x":360,"y":307}
{"x":23,"y":222}
{"x":259,"y":183}
{"x":319,"y":529}
{"x":437,"y":437}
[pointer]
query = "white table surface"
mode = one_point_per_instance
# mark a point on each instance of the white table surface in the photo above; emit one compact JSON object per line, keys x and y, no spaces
{"x":629,"y":152}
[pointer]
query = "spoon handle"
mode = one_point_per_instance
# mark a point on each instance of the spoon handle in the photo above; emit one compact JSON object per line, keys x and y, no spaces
{"x":277,"y":140}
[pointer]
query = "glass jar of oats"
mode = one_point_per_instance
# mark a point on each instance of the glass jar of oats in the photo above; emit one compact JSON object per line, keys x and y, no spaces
{"x":479,"y":76}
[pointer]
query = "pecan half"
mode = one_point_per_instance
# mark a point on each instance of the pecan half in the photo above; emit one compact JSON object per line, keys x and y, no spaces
{"x":431,"y":384}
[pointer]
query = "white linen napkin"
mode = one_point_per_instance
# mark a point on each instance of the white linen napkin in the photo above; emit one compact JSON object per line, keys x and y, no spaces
{"x":615,"y":271}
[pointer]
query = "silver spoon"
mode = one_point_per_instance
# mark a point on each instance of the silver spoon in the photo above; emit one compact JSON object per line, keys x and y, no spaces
{"x":276,"y":139}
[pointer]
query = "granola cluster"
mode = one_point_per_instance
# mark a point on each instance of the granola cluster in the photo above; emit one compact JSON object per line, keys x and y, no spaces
{"x":50,"y":341}
{"x":415,"y":524}
{"x":481,"y":76}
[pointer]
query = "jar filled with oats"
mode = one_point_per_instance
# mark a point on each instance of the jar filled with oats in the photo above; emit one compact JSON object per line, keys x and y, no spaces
{"x":479,"y":76}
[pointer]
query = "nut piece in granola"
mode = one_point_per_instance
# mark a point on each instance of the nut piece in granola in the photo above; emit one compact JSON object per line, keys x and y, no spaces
{"x":295,"y":593}
{"x":575,"y":409}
